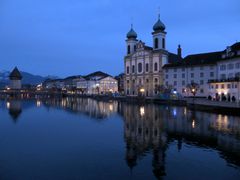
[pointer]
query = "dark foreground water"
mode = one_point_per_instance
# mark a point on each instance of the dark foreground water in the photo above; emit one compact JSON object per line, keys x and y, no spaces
{"x":88,"y":139}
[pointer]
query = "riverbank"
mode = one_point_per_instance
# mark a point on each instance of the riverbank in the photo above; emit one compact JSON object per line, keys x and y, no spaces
{"x":220,"y":107}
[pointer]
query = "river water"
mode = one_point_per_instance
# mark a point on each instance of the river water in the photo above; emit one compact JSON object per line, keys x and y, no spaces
{"x":89,"y":139}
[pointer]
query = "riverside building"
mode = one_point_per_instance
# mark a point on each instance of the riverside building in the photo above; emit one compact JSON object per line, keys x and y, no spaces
{"x":143,"y":64}
{"x":216,"y":74}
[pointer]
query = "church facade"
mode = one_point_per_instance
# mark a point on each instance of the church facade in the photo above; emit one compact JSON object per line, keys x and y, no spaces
{"x":143,"y":64}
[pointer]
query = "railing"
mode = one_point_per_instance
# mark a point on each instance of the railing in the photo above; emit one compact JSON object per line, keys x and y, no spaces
{"x":235,"y":79}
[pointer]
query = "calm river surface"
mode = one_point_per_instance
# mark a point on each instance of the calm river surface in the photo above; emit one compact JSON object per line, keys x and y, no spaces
{"x":88,"y":139}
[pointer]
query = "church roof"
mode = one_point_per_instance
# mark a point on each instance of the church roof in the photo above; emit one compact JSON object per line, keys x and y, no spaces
{"x":15,"y":74}
{"x":159,"y":26}
{"x":131,"y":34}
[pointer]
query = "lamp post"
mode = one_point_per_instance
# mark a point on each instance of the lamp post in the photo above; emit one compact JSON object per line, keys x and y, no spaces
{"x":193,"y":89}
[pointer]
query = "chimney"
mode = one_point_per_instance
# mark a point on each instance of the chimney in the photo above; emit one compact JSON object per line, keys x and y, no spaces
{"x":179,"y":51}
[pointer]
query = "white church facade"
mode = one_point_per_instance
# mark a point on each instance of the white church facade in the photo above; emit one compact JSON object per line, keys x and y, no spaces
{"x":143,"y":64}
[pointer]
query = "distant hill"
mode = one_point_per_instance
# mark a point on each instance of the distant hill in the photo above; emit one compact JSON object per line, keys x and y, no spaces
{"x":28,"y":78}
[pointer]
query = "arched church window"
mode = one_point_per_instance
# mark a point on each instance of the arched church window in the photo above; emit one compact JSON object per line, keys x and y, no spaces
{"x":147,"y":67}
{"x":155,"y":66}
{"x":127,"y":69}
{"x":135,"y":48}
{"x":163,"y":43}
{"x":139,"y":67}
{"x":128,"y":49}
{"x":156,"y":43}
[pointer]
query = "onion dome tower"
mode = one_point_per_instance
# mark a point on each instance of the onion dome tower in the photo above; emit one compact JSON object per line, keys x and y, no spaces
{"x":131,"y":41}
{"x":159,"y":35}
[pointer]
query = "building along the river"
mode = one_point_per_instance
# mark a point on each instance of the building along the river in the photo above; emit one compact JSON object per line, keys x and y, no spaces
{"x":143,"y":64}
{"x":216,"y":73}
{"x":15,"y":78}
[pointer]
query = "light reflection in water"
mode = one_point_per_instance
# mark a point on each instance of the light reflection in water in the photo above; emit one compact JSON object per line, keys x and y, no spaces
{"x":154,"y":127}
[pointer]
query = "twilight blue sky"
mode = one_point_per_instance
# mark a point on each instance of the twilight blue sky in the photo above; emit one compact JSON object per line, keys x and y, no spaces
{"x":66,"y":37}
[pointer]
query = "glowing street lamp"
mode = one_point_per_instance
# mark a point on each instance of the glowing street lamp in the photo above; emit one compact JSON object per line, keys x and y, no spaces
{"x":142,"y":90}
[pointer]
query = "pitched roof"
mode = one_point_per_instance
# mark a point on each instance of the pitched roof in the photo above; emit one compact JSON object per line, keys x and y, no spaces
{"x":96,"y":75}
{"x":15,"y":74}
{"x":197,"y":59}
{"x":173,"y":58}
{"x":73,"y":77}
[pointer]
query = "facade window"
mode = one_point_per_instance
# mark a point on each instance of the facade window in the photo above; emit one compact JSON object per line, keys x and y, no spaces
{"x":223,"y":76}
{"x":128,"y":49}
{"x":201,"y":91}
{"x":183,"y":69}
{"x":237,"y":74}
{"x":166,"y":76}
{"x":156,"y":43}
{"x":156,"y":80}
{"x":223,"y":67}
{"x":236,"y":86}
{"x":211,"y":67}
{"x":155,"y":66}
{"x":211,"y":74}
{"x":135,"y":48}
{"x":147,"y":80}
{"x":222,"y":86}
{"x":140,"y":81}
{"x":201,"y":68}
{"x":201,"y":82}
{"x":230,"y":75}
{"x":183,"y":83}
{"x":163,"y":43}
{"x":133,"y":81}
{"x":230,"y":66}
{"x":127,"y":81}
{"x":201,"y":74}
{"x":166,"y":70}
{"x":192,"y":75}
{"x":183,"y":75}
{"x":192,"y":68}
{"x":133,"y":69}
{"x":139,"y":67}
{"x":175,"y":83}
{"x":127,"y":69}
{"x":166,"y":83}
{"x":175,"y":76}
{"x":216,"y":86}
{"x":229,"y":86}
{"x":175,"y":69}
{"x":237,"y":65}
{"x":147,"y":67}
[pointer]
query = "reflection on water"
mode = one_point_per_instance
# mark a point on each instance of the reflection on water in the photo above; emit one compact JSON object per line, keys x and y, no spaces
{"x":150,"y":129}
{"x":15,"y":109}
{"x":94,"y":109}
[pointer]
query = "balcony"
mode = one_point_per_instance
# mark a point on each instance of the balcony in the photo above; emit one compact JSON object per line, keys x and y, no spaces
{"x":234,"y":79}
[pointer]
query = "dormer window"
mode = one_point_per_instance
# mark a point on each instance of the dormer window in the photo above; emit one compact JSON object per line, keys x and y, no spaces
{"x":228,"y":51}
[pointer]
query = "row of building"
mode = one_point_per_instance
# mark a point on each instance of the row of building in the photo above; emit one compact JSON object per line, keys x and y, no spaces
{"x":150,"y":69}
{"x":94,"y":83}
